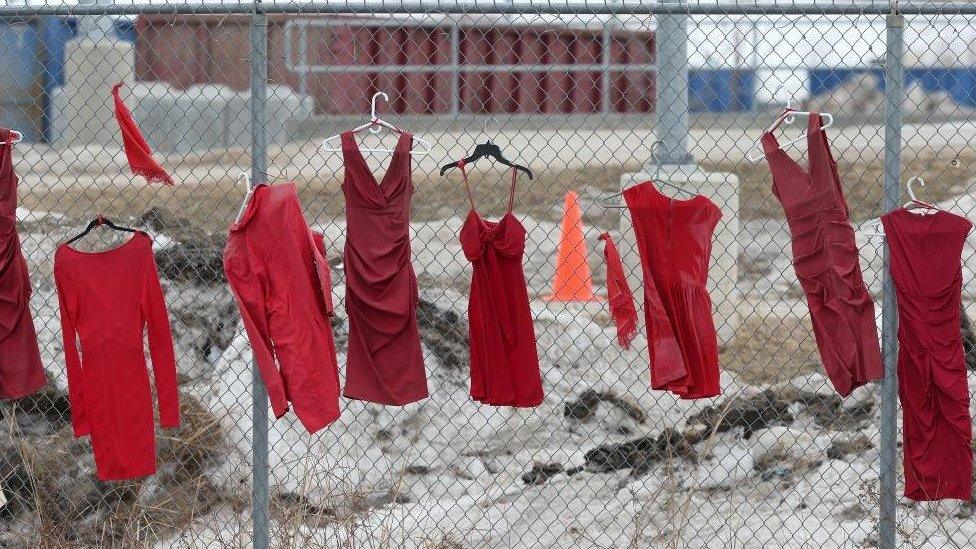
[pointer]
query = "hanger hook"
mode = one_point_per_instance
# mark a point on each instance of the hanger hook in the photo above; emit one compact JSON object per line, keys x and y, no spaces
{"x":372,"y":110}
{"x":911,"y":188}
{"x":654,"y":157}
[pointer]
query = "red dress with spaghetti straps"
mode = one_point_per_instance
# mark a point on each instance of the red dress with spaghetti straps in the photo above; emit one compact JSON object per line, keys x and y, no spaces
{"x":826,"y":260}
{"x":926,"y":267}
{"x":504,"y":360}
{"x":674,"y":238}
{"x":384,"y":363}
{"x":21,"y":372}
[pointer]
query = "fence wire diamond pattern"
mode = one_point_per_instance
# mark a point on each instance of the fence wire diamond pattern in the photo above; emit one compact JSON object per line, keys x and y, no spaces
{"x":581,"y":96}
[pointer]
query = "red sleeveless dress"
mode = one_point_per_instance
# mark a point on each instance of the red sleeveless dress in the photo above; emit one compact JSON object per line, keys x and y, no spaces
{"x":674,"y":238}
{"x":21,"y":372}
{"x":504,"y":360}
{"x":926,"y":267}
{"x":826,"y":260}
{"x":384,"y":363}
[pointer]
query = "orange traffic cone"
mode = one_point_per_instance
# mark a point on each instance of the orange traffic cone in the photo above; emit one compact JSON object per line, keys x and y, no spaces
{"x":573,"y":281}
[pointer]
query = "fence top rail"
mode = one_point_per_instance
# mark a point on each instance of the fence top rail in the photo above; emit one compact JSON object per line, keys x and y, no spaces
{"x":490,"y":7}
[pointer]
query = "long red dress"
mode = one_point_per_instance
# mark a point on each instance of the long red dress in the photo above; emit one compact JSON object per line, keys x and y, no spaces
{"x":21,"y":372}
{"x":826,"y":260}
{"x":927,"y":271}
{"x":674,"y":238}
{"x":384,"y":363}
{"x":108,"y":299}
{"x":277,"y":270}
{"x":504,"y":359}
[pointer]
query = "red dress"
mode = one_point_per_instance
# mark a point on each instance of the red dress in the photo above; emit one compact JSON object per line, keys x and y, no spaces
{"x":674,"y":238}
{"x":384,"y":362}
{"x":504,"y":360}
{"x":927,"y":271}
{"x":21,"y":372}
{"x":277,"y":270}
{"x":826,"y":260}
{"x":108,"y":299}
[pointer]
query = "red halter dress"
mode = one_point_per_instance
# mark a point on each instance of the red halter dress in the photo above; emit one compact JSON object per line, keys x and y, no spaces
{"x":21,"y":372}
{"x":826,"y":260}
{"x":504,"y":360}
{"x":927,"y":271}
{"x":674,"y":238}
{"x":384,"y":363}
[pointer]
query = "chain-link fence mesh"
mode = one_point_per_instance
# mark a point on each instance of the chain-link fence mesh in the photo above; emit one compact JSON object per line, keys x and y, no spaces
{"x":778,"y":460}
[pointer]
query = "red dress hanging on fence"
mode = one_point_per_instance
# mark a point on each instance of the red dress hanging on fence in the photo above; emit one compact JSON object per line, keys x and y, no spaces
{"x":674,"y":238}
{"x":384,"y":363}
{"x":277,"y":269}
{"x":826,"y":260}
{"x":504,"y":360}
{"x":21,"y":372}
{"x":926,"y":267}
{"x":107,"y":300}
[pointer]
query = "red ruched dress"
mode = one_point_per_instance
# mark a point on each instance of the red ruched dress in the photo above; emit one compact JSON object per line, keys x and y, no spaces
{"x":21,"y":372}
{"x":108,"y":300}
{"x":276,"y":267}
{"x":826,"y":260}
{"x":384,"y":363}
{"x":926,"y":267}
{"x":674,"y":238}
{"x":504,"y":359}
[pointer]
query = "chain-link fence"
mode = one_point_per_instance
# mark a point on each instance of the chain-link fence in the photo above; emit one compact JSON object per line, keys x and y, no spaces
{"x":231,"y":94}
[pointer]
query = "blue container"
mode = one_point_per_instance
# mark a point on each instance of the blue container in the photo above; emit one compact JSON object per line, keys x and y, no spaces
{"x":21,"y":77}
{"x":827,"y":80}
{"x":722,"y":90}
{"x":963,"y":90}
{"x":57,"y":32}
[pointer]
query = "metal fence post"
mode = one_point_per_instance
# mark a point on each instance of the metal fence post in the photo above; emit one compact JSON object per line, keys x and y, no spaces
{"x":259,"y":145}
{"x":455,"y":68}
{"x":894,"y":96}
{"x":671,"y":41}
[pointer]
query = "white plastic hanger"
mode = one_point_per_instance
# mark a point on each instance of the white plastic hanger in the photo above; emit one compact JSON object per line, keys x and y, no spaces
{"x":245,"y":179}
{"x":375,"y":124}
{"x":18,"y":137}
{"x":914,"y":205}
{"x":789,"y":116}
{"x":612,"y":202}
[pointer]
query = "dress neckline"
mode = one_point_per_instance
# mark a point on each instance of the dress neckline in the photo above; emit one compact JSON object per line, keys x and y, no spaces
{"x":357,"y":151}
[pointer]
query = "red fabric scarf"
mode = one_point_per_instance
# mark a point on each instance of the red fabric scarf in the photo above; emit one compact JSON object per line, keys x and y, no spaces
{"x":137,"y":151}
{"x":619,"y":295}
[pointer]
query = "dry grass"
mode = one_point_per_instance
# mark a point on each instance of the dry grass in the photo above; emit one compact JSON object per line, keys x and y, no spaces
{"x":771,"y":349}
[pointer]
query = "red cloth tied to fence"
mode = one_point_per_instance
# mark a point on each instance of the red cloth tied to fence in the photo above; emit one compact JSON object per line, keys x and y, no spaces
{"x":137,"y":151}
{"x":619,"y":296}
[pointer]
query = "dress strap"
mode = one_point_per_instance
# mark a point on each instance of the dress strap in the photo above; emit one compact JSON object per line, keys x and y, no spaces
{"x":511,"y":194}
{"x":467,"y":186}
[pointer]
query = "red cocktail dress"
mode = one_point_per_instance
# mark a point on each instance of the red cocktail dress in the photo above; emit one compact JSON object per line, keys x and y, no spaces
{"x":674,"y":238}
{"x":504,"y":360}
{"x":21,"y":372}
{"x":108,"y":301}
{"x":384,"y":362}
{"x":926,"y":267}
{"x":826,"y":260}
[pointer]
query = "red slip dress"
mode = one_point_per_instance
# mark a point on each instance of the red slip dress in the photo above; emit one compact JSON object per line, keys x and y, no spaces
{"x":108,"y":300}
{"x":384,"y":363}
{"x":21,"y":372}
{"x":826,"y":260}
{"x":674,"y":238}
{"x":504,"y":360}
{"x":926,"y":267}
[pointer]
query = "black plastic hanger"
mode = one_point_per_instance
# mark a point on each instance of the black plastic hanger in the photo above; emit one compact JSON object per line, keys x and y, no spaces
{"x":100,"y":220}
{"x":490,"y":150}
